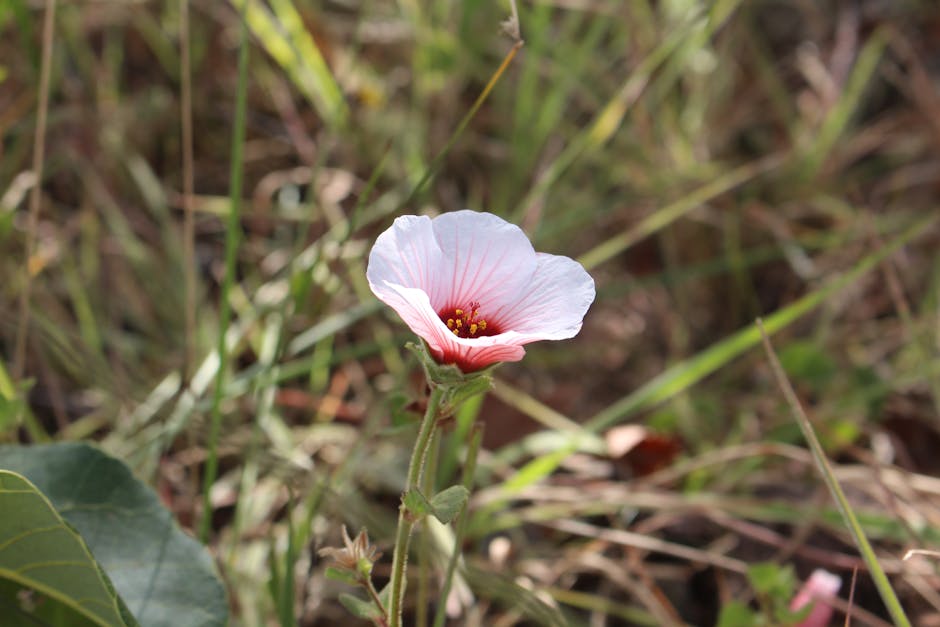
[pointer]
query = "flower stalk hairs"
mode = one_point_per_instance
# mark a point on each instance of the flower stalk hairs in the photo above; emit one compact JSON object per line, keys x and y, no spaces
{"x":471,"y":286}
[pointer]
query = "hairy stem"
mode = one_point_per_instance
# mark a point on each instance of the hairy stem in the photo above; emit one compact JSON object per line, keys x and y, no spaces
{"x":406,"y":521}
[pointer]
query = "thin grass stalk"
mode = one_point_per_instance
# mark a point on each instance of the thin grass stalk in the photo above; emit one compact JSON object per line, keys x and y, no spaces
{"x":469,"y":469}
{"x":231,"y":248}
{"x":888,"y":596}
{"x":35,"y":193}
{"x":189,"y":220}
{"x":405,"y":522}
{"x":462,"y":126}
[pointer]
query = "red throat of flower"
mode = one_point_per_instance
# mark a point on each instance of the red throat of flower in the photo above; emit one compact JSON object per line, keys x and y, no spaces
{"x":466,"y":322}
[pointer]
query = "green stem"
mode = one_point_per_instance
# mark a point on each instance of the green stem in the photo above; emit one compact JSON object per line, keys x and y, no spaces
{"x":424,"y":548}
{"x":461,"y":127}
{"x":231,"y":248}
{"x":406,"y":521}
{"x":367,"y":583}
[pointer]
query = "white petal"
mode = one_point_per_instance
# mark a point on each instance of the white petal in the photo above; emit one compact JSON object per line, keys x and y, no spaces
{"x":553,"y":303}
{"x":486,"y":259}
{"x":407,"y":254}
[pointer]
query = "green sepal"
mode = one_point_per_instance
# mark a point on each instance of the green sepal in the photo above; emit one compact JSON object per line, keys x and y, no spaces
{"x":364,"y":567}
{"x":416,"y":504}
{"x":446,"y":504}
{"x":455,"y":396}
{"x":342,"y":575}
{"x":458,"y":385}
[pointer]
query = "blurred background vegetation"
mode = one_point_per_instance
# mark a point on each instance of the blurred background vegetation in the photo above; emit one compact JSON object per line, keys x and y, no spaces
{"x":709,"y":162}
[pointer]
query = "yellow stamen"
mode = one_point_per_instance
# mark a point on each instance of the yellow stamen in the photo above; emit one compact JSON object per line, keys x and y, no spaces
{"x":466,"y":323}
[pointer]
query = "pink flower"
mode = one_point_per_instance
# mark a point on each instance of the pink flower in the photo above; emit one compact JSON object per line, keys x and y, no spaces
{"x":471,"y":285}
{"x":818,"y":589}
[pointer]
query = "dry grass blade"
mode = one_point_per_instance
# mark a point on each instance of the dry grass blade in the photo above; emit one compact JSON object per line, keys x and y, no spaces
{"x":35,"y":193}
{"x":189,"y":220}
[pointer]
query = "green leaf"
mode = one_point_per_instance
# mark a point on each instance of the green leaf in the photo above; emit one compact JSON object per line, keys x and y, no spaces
{"x":166,"y":578}
{"x":360,"y":608}
{"x":445,"y":505}
{"x":772,"y":580}
{"x":736,"y":614}
{"x":40,"y":551}
{"x":342,"y":576}
{"x":470,"y":387}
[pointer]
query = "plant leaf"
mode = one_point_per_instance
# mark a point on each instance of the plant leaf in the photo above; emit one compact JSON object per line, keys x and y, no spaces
{"x":360,"y":608}
{"x":40,"y":551}
{"x":446,"y":504}
{"x":341,"y":575}
{"x":166,"y":578}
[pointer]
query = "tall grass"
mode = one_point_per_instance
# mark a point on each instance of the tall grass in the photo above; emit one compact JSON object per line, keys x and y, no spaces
{"x":710,"y":163}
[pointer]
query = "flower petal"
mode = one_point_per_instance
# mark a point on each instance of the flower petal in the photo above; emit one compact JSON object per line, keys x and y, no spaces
{"x":414,"y":307}
{"x":408,"y":254}
{"x":469,"y":354}
{"x":486,"y":259}
{"x":553,"y":303}
{"x":819,"y":589}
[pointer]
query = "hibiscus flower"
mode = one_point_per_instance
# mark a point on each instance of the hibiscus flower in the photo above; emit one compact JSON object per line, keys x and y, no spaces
{"x":471,"y":285}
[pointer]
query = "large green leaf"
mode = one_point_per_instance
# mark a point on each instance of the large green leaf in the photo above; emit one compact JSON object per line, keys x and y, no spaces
{"x":41,"y":552}
{"x":166,"y":578}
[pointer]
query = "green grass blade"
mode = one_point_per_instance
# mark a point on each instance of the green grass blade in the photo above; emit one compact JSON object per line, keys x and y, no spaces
{"x":284,"y":37}
{"x":839,"y":116}
{"x":673,"y":211}
{"x":686,"y":373}
{"x":232,"y":236}
{"x":822,"y":463}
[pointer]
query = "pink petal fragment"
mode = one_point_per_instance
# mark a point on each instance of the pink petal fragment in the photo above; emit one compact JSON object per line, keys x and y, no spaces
{"x":821,"y":587}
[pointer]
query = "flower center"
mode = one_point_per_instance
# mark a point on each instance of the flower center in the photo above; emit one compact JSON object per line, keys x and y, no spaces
{"x":466,"y":322}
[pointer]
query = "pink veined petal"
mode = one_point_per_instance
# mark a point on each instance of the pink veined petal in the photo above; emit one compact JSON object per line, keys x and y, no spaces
{"x":553,"y":303}
{"x":486,"y":259}
{"x":408,"y":254}
{"x":821,"y":587}
{"x":414,"y":307}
